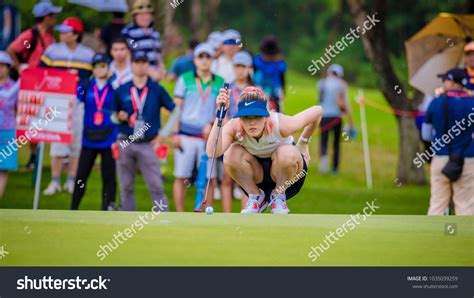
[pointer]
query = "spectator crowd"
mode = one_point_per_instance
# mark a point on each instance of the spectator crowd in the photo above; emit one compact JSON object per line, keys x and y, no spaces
{"x":117,"y":114}
{"x":118,"y":111}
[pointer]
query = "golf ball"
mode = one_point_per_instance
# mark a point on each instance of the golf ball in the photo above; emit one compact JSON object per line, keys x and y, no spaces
{"x":209,"y":210}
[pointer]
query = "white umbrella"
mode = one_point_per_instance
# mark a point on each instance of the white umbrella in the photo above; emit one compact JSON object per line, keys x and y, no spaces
{"x":104,"y":5}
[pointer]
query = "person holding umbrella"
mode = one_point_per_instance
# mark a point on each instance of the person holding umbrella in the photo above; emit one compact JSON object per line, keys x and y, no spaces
{"x":445,"y":50}
{"x":469,"y":63}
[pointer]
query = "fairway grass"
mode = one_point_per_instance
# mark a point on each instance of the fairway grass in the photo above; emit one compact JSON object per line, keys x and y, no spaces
{"x":67,"y":238}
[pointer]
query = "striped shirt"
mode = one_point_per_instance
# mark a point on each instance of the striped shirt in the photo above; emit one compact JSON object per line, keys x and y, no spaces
{"x":59,"y":55}
{"x":143,"y":39}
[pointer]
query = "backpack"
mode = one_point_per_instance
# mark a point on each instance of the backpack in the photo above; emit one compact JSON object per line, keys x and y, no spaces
{"x":22,"y":58}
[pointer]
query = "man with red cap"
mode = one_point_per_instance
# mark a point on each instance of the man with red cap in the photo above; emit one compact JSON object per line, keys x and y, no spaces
{"x":71,"y":55}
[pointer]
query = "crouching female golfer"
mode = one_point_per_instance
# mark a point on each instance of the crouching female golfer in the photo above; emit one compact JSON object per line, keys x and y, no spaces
{"x":259,"y":152}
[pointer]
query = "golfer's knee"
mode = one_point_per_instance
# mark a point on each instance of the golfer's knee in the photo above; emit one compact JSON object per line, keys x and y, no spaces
{"x":286,"y":155}
{"x":233,"y":156}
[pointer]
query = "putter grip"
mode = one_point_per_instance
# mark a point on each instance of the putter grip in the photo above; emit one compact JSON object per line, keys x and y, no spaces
{"x":221,"y":109}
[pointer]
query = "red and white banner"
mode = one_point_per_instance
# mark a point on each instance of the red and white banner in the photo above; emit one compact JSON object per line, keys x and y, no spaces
{"x":45,"y":105}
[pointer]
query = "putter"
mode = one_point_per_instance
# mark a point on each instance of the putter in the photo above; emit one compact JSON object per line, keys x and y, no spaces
{"x":219,"y":126}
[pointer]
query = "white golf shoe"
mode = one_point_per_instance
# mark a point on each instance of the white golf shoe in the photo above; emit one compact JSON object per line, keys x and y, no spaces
{"x":69,"y":186}
{"x":254,"y":202}
{"x":53,"y":187}
{"x":278,"y":202}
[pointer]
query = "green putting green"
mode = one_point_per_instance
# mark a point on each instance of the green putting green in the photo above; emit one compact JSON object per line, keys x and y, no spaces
{"x":67,"y":238}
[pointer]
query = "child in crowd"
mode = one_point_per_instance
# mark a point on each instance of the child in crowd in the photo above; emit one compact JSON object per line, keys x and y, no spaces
{"x":8,"y":150}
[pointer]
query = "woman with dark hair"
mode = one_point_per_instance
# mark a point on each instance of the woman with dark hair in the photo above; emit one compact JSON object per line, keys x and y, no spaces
{"x":270,"y":69}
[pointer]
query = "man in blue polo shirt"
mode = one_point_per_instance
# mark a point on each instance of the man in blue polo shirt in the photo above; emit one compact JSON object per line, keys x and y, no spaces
{"x":450,"y":119}
{"x":137,"y":105}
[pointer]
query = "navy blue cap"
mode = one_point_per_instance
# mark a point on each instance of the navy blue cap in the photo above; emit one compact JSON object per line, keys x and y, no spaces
{"x":100,"y":58}
{"x":252,"y":108}
{"x":457,"y":75}
{"x":139,"y":55}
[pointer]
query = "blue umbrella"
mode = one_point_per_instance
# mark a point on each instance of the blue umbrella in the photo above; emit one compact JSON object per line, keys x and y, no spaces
{"x":104,"y":5}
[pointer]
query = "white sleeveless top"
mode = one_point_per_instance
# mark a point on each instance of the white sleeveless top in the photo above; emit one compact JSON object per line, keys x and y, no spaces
{"x":266,"y":145}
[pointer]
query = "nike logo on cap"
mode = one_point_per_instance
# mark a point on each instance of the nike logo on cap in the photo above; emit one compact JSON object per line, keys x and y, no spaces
{"x":249,"y":103}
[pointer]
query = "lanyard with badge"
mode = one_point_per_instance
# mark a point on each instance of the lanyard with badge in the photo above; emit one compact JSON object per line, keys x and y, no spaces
{"x":138,"y":103}
{"x":99,"y":102}
{"x":203,"y":95}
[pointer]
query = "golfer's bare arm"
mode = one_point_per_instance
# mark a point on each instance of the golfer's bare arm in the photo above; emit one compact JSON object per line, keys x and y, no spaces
{"x":308,"y":119}
{"x":226,"y":138}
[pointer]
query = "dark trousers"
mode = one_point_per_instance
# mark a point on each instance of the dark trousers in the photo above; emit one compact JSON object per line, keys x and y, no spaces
{"x":109,"y":184}
{"x":331,"y":124}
